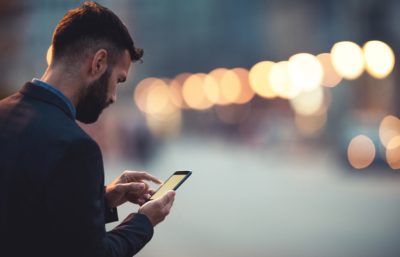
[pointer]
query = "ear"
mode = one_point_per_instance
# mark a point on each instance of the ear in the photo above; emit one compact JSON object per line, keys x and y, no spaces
{"x":99,"y":64}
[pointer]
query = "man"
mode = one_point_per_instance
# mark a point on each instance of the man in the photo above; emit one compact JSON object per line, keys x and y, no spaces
{"x":52,"y":196}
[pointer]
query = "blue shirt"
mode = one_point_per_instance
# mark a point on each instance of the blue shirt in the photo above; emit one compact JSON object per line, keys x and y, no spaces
{"x":57,"y":92}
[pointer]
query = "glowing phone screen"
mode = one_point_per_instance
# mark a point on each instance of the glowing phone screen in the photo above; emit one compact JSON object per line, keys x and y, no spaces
{"x":170,"y":184}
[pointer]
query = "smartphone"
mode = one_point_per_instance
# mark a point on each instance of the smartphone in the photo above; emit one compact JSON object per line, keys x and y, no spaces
{"x":172,"y":183}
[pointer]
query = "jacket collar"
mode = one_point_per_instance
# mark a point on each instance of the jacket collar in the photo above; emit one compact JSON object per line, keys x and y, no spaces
{"x":47,"y":96}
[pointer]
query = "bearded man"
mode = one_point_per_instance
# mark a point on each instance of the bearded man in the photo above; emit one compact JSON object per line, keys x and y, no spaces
{"x":53,"y":201}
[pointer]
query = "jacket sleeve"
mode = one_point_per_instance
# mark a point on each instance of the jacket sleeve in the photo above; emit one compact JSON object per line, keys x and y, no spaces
{"x":111,"y":214}
{"x":76,"y":209}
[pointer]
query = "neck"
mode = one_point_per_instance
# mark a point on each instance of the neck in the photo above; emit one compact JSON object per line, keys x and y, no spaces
{"x":64,"y":81}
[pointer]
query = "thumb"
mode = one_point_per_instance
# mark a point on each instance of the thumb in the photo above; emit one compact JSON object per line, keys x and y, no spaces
{"x":133,"y":186}
{"x":168,"y":197}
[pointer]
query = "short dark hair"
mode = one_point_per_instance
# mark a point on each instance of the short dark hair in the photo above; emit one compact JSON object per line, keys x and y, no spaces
{"x":90,"y":27}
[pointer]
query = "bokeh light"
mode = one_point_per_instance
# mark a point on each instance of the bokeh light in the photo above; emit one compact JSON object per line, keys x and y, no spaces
{"x":308,"y":102}
{"x":141,"y":92}
{"x":379,"y":59}
{"x":247,"y":92}
{"x":155,"y":99}
{"x":361,"y":152}
{"x":347,"y":59}
{"x":176,"y":86}
{"x":194,"y":94}
{"x":158,"y":97}
{"x":218,"y":75}
{"x":305,"y":71}
{"x":280,"y":82}
{"x":388,"y":129}
{"x":160,"y":126}
{"x":230,"y":87}
{"x":259,"y":79}
{"x":393,"y":153}
{"x":330,"y":78}
{"x":211,"y":89}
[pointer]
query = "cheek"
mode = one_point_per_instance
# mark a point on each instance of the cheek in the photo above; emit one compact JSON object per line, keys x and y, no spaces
{"x":112,"y":90}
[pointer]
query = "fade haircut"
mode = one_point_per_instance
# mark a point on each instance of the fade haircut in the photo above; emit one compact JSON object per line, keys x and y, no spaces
{"x":88,"y":28}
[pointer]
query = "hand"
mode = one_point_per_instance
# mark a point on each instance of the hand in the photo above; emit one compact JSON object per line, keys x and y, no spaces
{"x":157,"y":210}
{"x":130,"y":186}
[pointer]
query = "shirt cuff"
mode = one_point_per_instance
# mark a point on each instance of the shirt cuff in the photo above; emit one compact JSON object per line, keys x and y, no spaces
{"x":111,"y":214}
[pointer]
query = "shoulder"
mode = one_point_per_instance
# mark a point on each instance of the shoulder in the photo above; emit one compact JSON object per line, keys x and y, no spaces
{"x":80,"y":144}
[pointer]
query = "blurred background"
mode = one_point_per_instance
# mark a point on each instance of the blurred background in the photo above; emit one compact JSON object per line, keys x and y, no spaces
{"x":286,"y":111}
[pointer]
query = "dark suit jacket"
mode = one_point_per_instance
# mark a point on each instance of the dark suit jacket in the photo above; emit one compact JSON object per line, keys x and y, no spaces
{"x":52,"y":185}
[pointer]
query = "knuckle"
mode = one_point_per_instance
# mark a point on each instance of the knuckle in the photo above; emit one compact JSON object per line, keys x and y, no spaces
{"x":118,"y":188}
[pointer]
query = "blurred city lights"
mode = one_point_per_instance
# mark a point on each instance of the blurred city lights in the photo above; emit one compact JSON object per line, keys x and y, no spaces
{"x":347,"y":59}
{"x":154,"y":97}
{"x":393,"y":153}
{"x":194,"y":94}
{"x":141,"y":92}
{"x":308,"y":102}
{"x":330,"y":78}
{"x":176,"y":86}
{"x":361,"y":152}
{"x":230,"y":86}
{"x":218,"y":75}
{"x":280,"y":82}
{"x":165,"y":127}
{"x":157,"y":97}
{"x":259,"y":79}
{"x":211,"y":89}
{"x":379,"y":59}
{"x":305,"y":71}
{"x":246,"y":92}
{"x":299,"y":80}
{"x":389,"y":129}
{"x":49,"y":55}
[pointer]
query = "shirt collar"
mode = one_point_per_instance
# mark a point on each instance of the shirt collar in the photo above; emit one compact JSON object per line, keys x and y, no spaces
{"x":57,"y":92}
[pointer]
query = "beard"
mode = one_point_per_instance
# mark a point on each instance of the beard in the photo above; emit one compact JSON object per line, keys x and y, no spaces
{"x":94,"y":100}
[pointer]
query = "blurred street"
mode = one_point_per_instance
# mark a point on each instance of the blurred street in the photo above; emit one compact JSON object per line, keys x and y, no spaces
{"x":287,"y":202}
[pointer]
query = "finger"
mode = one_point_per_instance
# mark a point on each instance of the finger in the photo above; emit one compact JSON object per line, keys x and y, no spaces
{"x":143,"y":199}
{"x":139,"y":175}
{"x":168,"y":206}
{"x":151,"y":191}
{"x":133,"y":196}
{"x":168,"y":198}
{"x":141,"y":202}
{"x":132,"y":187}
{"x":146,"y":186}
